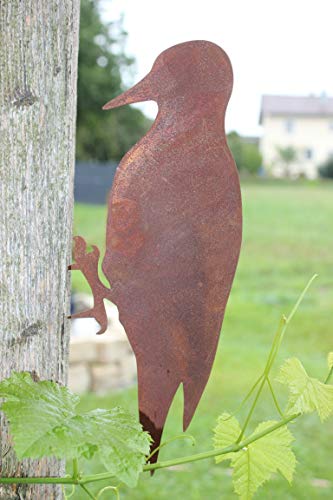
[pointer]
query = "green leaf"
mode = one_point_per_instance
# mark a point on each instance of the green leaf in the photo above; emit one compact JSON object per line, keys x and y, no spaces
{"x":34,"y":410}
{"x":226,"y":434}
{"x":256,"y":463}
{"x":306,"y":394}
{"x":330,"y":360}
{"x":44,"y":422}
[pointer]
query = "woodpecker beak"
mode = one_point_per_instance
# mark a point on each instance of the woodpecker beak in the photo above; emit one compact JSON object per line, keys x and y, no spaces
{"x":140,"y":92}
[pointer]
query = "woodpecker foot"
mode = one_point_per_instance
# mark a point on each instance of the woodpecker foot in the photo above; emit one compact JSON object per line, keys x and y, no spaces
{"x":87,"y":263}
{"x":97,"y":312}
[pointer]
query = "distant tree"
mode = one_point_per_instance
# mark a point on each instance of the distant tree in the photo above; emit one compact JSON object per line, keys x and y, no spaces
{"x":286,"y":155}
{"x":236,"y":146}
{"x":326,"y":169}
{"x":251,"y":157}
{"x":246,"y":155}
{"x":101,"y":135}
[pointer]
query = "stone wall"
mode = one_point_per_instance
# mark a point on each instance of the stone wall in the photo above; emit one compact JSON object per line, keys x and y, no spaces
{"x":99,"y":363}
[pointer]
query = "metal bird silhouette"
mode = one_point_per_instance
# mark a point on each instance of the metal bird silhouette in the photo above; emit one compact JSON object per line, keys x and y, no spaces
{"x":173,"y":231}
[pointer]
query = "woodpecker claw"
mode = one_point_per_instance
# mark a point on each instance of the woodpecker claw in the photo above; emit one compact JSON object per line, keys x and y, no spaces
{"x":87,"y":263}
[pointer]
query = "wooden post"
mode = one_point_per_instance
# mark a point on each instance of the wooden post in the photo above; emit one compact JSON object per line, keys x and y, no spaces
{"x":38,"y":72}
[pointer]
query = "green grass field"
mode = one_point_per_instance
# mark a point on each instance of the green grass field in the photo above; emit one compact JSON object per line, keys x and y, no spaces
{"x":288,"y":236}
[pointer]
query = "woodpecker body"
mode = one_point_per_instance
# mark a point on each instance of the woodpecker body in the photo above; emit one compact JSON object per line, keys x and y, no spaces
{"x":174,"y":229}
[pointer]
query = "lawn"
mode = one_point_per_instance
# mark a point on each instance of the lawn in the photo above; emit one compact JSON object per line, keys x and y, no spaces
{"x":288,"y":236}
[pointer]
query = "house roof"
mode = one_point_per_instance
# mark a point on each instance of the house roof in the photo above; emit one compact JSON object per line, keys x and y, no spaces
{"x":296,"y":105}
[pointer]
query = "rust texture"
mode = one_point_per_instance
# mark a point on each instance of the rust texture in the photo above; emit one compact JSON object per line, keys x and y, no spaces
{"x":173,"y":231}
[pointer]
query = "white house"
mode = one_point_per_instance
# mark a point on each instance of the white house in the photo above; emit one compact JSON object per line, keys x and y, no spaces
{"x":302,"y":124}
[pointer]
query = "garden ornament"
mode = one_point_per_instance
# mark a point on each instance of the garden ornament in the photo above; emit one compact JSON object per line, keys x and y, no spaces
{"x":173,"y":231}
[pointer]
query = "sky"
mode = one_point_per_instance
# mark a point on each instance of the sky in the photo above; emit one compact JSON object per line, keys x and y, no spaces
{"x":276,"y":47}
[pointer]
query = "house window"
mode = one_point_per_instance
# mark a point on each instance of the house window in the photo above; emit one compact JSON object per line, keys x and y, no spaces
{"x":289,"y":125}
{"x":308,"y":153}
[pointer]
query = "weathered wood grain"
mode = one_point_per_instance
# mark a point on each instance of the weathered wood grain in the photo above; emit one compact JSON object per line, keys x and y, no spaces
{"x":38,"y":72}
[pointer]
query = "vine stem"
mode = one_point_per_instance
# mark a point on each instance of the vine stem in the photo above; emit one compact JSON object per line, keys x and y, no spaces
{"x":223,"y":451}
{"x":38,"y":480}
{"x":87,"y":491}
{"x":274,"y":398}
{"x":264,"y":377}
{"x":254,"y":404}
{"x":207,"y":454}
{"x":278,"y":337}
{"x":76,"y":473}
{"x":149,"y":467}
{"x":330,"y":373}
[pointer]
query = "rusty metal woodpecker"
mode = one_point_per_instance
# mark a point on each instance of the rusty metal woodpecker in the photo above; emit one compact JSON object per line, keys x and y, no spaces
{"x":173,"y":231}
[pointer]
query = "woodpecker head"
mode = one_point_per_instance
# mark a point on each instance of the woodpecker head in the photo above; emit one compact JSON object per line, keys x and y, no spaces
{"x":190,"y":68}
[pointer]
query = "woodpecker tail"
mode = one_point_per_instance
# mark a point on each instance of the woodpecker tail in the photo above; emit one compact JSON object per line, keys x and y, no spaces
{"x":155,"y":398}
{"x":193,"y":390}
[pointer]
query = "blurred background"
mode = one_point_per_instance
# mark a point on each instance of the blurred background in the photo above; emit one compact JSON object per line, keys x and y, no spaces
{"x":280,"y":129}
